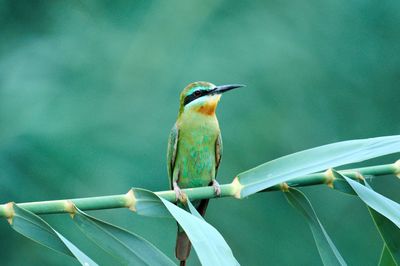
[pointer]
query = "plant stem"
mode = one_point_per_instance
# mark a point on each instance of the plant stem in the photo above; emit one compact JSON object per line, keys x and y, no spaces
{"x":227,"y":190}
{"x":321,"y":178}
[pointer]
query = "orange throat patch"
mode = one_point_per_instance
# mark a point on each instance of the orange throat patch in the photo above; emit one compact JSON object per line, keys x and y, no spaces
{"x":208,"y":108}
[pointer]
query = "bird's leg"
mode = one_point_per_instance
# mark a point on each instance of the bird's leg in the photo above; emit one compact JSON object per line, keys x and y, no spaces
{"x":217,"y":187}
{"x":180,"y":195}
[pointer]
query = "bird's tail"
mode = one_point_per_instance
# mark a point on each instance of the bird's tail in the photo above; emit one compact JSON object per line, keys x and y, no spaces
{"x":183,"y":245}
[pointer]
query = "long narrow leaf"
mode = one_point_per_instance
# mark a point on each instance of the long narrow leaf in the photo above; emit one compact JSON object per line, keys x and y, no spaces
{"x":386,"y":258}
{"x":389,"y":232}
{"x":127,"y":247}
{"x":327,"y":250}
{"x":148,"y":204}
{"x":208,"y":243}
{"x":317,"y":159}
{"x":210,"y":246}
{"x":386,"y":207}
{"x":36,"y":229}
{"x":342,"y":186}
{"x":193,"y":210}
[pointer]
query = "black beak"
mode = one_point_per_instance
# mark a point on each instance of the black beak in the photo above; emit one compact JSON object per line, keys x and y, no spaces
{"x":224,"y":88}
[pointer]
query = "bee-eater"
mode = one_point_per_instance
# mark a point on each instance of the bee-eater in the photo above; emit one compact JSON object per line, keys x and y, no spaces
{"x":195,"y":148}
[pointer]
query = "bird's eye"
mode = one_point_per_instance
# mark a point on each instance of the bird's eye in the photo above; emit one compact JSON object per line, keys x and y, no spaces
{"x":197,"y":93}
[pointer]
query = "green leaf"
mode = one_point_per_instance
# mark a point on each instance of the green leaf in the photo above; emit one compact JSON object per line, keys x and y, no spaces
{"x":127,"y":247}
{"x":342,"y":186}
{"x":36,"y":229}
{"x":390,"y":234}
{"x":148,"y":204}
{"x":210,"y":246}
{"x":386,"y":258}
{"x":317,"y":159}
{"x":387,"y":228}
{"x":387,"y":207}
{"x":193,"y":210}
{"x":82,"y":258}
{"x":208,"y":243}
{"x":327,"y":250}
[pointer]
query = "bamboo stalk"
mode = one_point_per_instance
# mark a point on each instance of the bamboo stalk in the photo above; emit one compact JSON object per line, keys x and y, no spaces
{"x":227,"y":190}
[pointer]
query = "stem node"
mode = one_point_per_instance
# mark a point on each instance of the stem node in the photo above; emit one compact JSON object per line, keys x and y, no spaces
{"x":131,"y":200}
{"x":70,"y":208}
{"x":397,"y":168}
{"x":237,"y":187}
{"x":359,"y":176}
{"x":284,"y":187}
{"x":9,"y":212}
{"x":329,"y":177}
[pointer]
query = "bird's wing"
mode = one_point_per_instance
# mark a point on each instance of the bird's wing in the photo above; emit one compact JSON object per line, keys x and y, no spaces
{"x":218,"y":152}
{"x":171,"y":152}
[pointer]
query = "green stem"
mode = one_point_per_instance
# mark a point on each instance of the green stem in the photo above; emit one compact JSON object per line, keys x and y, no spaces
{"x":227,"y":190}
{"x":323,"y":178}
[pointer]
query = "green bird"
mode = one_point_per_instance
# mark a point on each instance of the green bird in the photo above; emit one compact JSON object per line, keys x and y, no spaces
{"x":195,"y":148}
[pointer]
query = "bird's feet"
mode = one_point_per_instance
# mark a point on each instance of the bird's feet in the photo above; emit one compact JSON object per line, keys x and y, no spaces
{"x":179,"y":194}
{"x":217,"y":188}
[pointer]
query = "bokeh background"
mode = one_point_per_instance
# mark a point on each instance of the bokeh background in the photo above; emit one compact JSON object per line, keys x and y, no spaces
{"x":89,"y":91}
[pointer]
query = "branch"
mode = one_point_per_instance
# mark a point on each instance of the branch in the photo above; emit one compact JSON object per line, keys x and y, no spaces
{"x":227,"y":190}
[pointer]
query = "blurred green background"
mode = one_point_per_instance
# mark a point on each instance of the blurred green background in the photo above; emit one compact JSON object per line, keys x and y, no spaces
{"x":89,"y":91}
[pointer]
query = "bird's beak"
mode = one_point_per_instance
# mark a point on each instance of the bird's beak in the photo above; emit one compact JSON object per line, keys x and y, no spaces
{"x":224,"y":88}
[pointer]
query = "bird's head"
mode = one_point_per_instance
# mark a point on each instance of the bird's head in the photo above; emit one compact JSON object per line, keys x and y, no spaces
{"x":203,"y":97}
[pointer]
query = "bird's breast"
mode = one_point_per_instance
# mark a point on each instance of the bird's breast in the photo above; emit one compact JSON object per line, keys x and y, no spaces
{"x":196,"y":151}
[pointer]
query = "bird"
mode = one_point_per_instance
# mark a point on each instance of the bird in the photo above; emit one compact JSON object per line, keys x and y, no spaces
{"x":195,"y":149}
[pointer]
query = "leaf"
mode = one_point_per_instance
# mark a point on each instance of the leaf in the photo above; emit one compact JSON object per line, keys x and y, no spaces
{"x":82,"y":258}
{"x":210,"y":246}
{"x":327,"y":250}
{"x":36,"y":229}
{"x":317,"y":159}
{"x":376,"y":201}
{"x":342,"y":186}
{"x":387,"y":228}
{"x":389,"y":233}
{"x":127,"y":247}
{"x":208,"y":243}
{"x":148,"y":204}
{"x":193,"y":210}
{"x":386,"y":258}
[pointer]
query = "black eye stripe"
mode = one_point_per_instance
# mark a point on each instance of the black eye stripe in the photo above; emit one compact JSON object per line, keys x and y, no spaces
{"x":194,"y":95}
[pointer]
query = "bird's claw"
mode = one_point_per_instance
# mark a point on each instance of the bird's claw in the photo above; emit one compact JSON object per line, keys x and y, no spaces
{"x":179,"y":194}
{"x":217,"y":188}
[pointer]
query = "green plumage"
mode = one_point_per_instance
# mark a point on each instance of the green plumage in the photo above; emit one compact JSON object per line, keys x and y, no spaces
{"x":195,"y":148}
{"x":194,"y":152}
